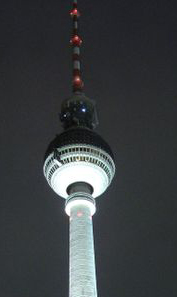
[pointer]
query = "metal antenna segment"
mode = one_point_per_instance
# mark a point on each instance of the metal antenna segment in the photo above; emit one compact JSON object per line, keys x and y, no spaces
{"x":76,"y":42}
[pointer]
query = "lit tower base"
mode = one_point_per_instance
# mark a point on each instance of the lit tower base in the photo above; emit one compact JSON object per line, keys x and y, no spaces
{"x":79,"y":166}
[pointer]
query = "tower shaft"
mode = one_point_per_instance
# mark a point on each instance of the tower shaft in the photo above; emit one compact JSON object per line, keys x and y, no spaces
{"x":81,"y":255}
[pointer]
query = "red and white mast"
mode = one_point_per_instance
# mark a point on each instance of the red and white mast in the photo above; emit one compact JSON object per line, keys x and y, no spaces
{"x":76,"y":42}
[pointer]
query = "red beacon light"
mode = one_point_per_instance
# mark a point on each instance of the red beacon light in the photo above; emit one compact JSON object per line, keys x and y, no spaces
{"x":77,"y":81}
{"x":75,"y":12}
{"x":76,"y":40}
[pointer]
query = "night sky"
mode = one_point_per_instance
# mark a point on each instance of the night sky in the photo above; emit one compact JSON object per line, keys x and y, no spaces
{"x":130,"y":68}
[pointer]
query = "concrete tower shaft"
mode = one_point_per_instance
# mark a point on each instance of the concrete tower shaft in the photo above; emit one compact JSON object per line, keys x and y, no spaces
{"x":80,"y":208}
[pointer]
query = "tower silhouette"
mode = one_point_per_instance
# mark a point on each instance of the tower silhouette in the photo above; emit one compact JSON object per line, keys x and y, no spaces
{"x":79,"y":166}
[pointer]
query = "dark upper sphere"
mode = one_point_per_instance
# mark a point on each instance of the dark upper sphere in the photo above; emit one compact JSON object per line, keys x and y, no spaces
{"x":78,"y":135}
{"x":78,"y":111}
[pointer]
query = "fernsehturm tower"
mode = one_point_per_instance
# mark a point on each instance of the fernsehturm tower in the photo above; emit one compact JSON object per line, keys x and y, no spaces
{"x":79,"y":166}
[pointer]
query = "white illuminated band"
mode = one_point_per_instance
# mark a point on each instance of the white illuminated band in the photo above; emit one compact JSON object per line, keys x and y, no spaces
{"x":75,"y":25}
{"x":78,"y":199}
{"x":76,"y":64}
{"x":76,"y":50}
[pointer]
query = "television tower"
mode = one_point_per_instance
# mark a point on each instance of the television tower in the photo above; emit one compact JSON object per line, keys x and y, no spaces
{"x":79,"y":166}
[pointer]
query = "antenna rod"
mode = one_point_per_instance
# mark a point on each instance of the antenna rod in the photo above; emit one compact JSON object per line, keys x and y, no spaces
{"x":76,"y":42}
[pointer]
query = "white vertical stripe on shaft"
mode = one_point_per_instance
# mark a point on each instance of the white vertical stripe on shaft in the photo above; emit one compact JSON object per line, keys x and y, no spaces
{"x":75,"y":25}
{"x":76,"y":50}
{"x":82,"y":259}
{"x":76,"y":64}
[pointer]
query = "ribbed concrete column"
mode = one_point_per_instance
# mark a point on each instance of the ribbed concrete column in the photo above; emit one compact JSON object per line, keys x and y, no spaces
{"x":82,"y":260}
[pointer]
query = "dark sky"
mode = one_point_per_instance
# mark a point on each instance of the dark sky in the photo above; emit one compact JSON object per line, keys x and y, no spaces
{"x":130,"y":69}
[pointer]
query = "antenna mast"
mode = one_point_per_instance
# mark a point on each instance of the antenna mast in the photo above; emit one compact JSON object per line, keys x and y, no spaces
{"x":76,"y":42}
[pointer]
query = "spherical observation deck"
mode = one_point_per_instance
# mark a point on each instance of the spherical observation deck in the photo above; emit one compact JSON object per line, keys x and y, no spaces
{"x":79,"y":155}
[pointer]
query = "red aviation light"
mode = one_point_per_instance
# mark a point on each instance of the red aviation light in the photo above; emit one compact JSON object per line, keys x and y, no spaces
{"x":76,"y":40}
{"x":77,"y":82}
{"x":75,"y":12}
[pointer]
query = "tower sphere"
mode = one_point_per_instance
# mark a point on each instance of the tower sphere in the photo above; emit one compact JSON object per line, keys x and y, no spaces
{"x":78,"y":155}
